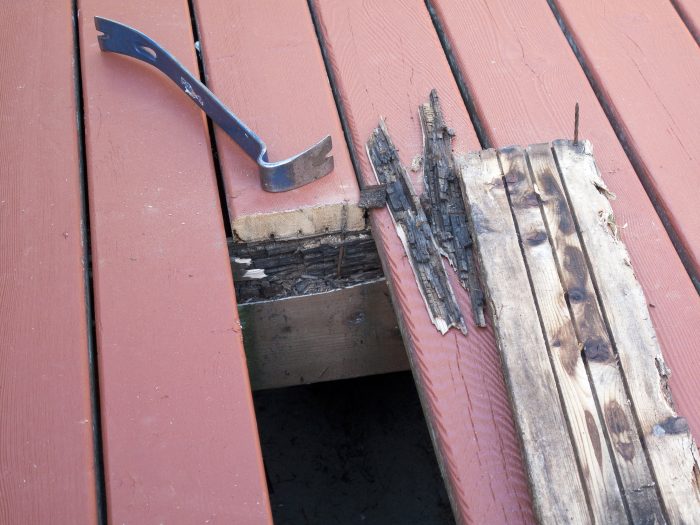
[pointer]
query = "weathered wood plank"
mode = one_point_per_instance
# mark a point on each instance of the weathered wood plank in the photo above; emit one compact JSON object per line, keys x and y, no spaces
{"x":671,"y":449}
{"x":583,"y":418}
{"x":458,"y":377}
{"x":549,"y":456}
{"x":619,"y":428}
{"x":263,"y":60}
{"x":345,"y":333}
{"x":47,"y":472}
{"x":524,"y":81}
{"x":646,"y":67}
{"x":180,"y":437}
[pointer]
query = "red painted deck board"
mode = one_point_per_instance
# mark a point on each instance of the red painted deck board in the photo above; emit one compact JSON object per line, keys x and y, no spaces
{"x":648,"y":68}
{"x":386,"y":58}
{"x":525,"y":81}
{"x":180,"y":438}
{"x":46,"y":448}
{"x":265,"y":63}
{"x":689,"y":10}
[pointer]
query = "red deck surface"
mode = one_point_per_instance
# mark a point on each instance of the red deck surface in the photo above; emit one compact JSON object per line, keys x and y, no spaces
{"x":180,"y":439}
{"x":459,"y":377}
{"x":46,"y":452}
{"x":648,"y":68}
{"x":267,"y":66}
{"x":179,"y":435}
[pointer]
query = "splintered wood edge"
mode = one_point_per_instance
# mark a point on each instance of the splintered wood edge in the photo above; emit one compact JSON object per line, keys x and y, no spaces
{"x":548,"y":452}
{"x":672,"y":451}
{"x":303,"y":222}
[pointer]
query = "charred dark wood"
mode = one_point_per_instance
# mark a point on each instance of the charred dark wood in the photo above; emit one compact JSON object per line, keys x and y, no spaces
{"x":443,"y":203}
{"x":415,"y":232}
{"x":279,"y":269}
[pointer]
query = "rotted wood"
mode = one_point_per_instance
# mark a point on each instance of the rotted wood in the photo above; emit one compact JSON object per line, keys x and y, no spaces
{"x":344,"y":333}
{"x":415,"y":232}
{"x":443,"y":204}
{"x":635,"y":460}
{"x":280,"y":269}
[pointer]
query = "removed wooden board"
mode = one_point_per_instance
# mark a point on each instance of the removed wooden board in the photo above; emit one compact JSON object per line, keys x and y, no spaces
{"x":549,"y":257}
{"x":263,"y":60}
{"x":646,"y":67}
{"x":46,"y":448}
{"x":524,"y":81}
{"x":386,"y":58}
{"x":350,"y":332}
{"x":180,"y":439}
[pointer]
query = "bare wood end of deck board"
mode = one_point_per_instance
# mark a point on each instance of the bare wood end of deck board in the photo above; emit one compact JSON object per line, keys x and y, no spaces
{"x":299,"y":223}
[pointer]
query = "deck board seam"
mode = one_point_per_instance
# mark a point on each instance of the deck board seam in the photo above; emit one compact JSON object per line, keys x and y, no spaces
{"x":199,"y":53}
{"x":545,"y":337}
{"x":93,"y":359}
{"x":632,"y":155}
{"x":467,"y":97}
{"x":575,"y":324}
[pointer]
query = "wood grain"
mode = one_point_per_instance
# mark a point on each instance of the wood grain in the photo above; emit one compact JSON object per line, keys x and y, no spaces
{"x":584,"y":421}
{"x":180,"y":439}
{"x":647,"y":68}
{"x":263,"y":60}
{"x":619,"y":428}
{"x":46,"y":448}
{"x":351,"y":332}
{"x":386,"y":57}
{"x":550,"y":459}
{"x":666,"y":436}
{"x":525,"y":81}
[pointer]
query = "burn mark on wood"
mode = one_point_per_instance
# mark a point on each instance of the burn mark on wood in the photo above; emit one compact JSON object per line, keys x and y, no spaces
{"x":415,"y":231}
{"x":575,"y":266}
{"x":671,"y":425}
{"x":443,"y":203}
{"x":595,"y":437}
{"x":536,"y":238}
{"x":620,"y":430}
{"x":597,"y":350}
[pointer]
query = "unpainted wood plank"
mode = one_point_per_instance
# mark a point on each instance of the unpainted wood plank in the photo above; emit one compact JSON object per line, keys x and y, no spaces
{"x":619,"y":424}
{"x":646,"y":66}
{"x":46,"y":448}
{"x":263,"y":60}
{"x":549,"y":455}
{"x":584,"y":421}
{"x":525,"y":81}
{"x":180,"y":438}
{"x":689,"y":11}
{"x":351,"y":332}
{"x":669,"y":444}
{"x":386,"y":58}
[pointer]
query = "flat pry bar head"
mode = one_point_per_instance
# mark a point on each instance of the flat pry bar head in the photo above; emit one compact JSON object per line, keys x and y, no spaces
{"x":296,"y":171}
